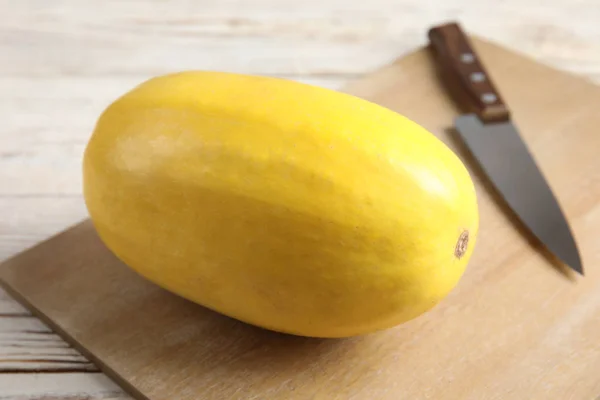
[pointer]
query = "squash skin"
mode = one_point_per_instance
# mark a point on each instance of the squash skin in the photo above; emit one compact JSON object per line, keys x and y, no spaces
{"x":290,"y":207}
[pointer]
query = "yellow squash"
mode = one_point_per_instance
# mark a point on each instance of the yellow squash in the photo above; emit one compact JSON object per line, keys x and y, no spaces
{"x":291,"y":207}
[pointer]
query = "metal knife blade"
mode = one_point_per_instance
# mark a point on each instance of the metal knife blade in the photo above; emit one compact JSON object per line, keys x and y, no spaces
{"x":494,"y":141}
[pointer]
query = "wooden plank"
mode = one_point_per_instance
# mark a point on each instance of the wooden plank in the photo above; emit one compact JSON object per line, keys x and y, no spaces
{"x":312,"y":37}
{"x":55,"y":386}
{"x":26,"y":344}
{"x":493,"y":337}
{"x":30,"y":219}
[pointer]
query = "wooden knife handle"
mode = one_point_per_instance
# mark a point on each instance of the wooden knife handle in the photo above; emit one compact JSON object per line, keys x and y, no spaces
{"x":464,"y":74}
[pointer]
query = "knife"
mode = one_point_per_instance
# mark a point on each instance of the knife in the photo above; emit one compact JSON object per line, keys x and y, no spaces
{"x":494,"y":141}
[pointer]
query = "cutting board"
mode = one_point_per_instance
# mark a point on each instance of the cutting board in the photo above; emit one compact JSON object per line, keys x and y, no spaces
{"x":518,"y":326}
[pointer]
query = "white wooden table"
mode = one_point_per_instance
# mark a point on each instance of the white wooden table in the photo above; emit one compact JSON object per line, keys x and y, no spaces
{"x":63,"y":61}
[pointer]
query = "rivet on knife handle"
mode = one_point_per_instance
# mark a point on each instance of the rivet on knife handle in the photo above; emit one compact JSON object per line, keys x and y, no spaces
{"x":464,"y":74}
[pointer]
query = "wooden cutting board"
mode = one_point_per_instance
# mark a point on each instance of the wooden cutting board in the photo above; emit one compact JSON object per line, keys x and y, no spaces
{"x":517,"y":326}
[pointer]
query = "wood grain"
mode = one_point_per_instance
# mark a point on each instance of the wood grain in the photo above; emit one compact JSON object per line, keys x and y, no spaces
{"x":63,"y":61}
{"x":26,"y":344}
{"x":54,"y":386}
{"x":493,"y":337}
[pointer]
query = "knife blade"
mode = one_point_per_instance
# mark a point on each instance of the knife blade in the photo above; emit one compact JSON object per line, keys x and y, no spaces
{"x":493,"y":139}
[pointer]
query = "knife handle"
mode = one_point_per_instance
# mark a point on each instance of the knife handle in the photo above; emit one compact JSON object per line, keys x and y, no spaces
{"x":464,"y":73}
